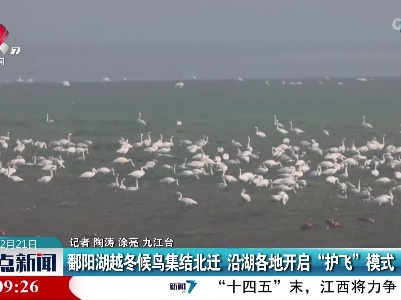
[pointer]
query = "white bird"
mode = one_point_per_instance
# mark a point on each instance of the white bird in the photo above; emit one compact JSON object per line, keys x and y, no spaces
{"x":114,"y":185}
{"x":169,"y":180}
{"x":259,"y":133}
{"x":104,"y":170}
{"x":27,"y":141}
{"x":13,"y":178}
{"x":331,"y":179}
{"x":179,"y":123}
{"x":326,"y":133}
{"x":282,"y":130}
{"x":49,"y":168}
{"x":88,"y":174}
{"x":262,"y":182}
{"x":46,"y":179}
{"x":193,"y":76}
{"x":139,"y":144}
{"x":17,"y":161}
{"x":230,"y":178}
{"x":138,"y":173}
{"x":366,"y":125}
{"x":123,"y":160}
{"x":245,"y":197}
{"x":66,"y":83}
{"x":187,"y":201}
{"x":245,"y":177}
{"x":19,"y":148}
{"x":7,"y":137}
{"x":106,"y":79}
{"x":276,"y":198}
{"x":140,"y":121}
{"x":129,"y":188}
{"x":383,"y":198}
{"x":276,"y":122}
{"x":82,"y":157}
{"x":296,"y":130}
{"x":151,"y":164}
{"x":236,"y":144}
{"x":179,"y":85}
{"x":63,"y":142}
{"x":375,"y":172}
{"x":385,"y":180}
{"x":48,"y":120}
{"x":222,"y":184}
{"x":285,"y":197}
{"x":271,"y":163}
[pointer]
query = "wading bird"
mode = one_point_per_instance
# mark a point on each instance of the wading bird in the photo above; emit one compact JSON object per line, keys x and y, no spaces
{"x":187,"y":201}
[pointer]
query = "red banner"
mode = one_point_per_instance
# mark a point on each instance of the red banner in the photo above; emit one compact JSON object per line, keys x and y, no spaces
{"x":36,"y":287}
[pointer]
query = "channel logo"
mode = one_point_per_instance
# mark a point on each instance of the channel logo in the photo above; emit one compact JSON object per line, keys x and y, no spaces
{"x":397,"y":24}
{"x":182,"y":286}
{"x":3,"y":36}
{"x":5,"y":47}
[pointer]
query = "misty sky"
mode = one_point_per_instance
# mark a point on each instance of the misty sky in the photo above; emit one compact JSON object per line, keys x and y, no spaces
{"x":159,"y":40}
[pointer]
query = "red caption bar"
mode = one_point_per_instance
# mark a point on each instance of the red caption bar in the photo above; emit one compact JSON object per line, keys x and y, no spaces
{"x":36,"y":287}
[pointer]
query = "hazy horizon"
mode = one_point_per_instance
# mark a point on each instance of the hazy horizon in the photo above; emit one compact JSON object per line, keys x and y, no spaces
{"x":170,"y":40}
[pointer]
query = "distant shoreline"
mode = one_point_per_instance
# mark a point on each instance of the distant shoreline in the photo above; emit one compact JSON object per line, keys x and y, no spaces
{"x":201,"y":80}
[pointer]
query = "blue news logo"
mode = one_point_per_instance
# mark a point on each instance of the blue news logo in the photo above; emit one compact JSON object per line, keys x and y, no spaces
{"x":38,"y":262}
{"x":182,"y":286}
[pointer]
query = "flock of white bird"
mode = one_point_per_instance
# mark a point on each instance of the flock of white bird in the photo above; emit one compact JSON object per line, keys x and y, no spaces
{"x":193,"y":77}
{"x":286,"y":169}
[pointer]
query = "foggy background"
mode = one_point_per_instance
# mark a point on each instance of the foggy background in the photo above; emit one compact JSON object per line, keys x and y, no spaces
{"x":220,"y":39}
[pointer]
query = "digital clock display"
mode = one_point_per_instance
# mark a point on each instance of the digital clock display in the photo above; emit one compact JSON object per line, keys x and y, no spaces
{"x":23,"y":286}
